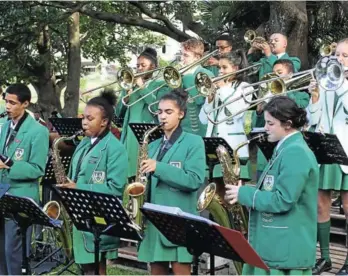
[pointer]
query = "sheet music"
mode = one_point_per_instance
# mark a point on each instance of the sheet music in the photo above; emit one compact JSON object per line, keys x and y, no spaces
{"x":176,"y":211}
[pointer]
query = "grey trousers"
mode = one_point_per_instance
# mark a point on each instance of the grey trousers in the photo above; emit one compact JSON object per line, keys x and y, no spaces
{"x":13,"y":248}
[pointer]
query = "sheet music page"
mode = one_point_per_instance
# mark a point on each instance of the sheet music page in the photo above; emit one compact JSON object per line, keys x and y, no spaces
{"x":176,"y":211}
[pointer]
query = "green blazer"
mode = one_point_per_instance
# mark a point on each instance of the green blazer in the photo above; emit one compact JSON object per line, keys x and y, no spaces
{"x":302,"y":100}
{"x":214,"y":69}
{"x":267,"y":63}
{"x":2,"y":109}
{"x":191,"y":122}
{"x":103,"y":170}
{"x":179,"y":175}
{"x":29,"y":152}
{"x":138,"y":113}
{"x":283,"y":207}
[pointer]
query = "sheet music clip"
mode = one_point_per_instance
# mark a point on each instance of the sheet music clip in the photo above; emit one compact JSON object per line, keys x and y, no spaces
{"x":140,"y":129}
{"x":98,"y":213}
{"x":25,"y":212}
{"x":66,"y":126}
{"x":201,"y":235}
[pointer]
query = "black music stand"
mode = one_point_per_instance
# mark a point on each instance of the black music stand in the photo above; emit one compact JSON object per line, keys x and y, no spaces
{"x":140,"y":129}
{"x":98,"y":213}
{"x":326,"y":147}
{"x":201,"y":235}
{"x":66,"y":126}
{"x":25,"y":212}
{"x":118,"y":121}
{"x":3,"y":189}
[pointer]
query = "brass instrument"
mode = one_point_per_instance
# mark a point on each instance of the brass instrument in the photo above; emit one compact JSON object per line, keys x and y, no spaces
{"x":173,"y":76}
{"x":212,"y":198}
{"x":328,"y":49}
{"x":251,"y":37}
{"x":205,"y":85}
{"x":328,"y":72}
{"x":53,"y":209}
{"x":136,"y":190}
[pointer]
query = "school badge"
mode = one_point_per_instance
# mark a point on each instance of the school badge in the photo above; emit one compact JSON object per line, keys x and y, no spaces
{"x":268,"y":182}
{"x":98,"y":177}
{"x":176,"y":164}
{"x":18,"y":154}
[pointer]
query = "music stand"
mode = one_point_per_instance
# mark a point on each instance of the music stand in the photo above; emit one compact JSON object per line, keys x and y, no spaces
{"x":326,"y":147}
{"x":118,"y":121}
{"x":140,"y":129}
{"x":25,"y":212}
{"x":66,"y":126}
{"x":3,"y":189}
{"x":98,"y":213}
{"x":200,"y":235}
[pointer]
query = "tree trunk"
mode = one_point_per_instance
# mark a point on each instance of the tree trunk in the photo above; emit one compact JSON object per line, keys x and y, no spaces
{"x":71,"y":96}
{"x":290,"y":18}
{"x":48,"y":91}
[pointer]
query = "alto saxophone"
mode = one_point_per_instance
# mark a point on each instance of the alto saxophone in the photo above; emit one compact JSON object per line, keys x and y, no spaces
{"x":136,"y":190}
{"x":212,"y":198}
{"x":53,"y":209}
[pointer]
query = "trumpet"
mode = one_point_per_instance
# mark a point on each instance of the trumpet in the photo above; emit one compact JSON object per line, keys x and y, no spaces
{"x":328,"y":49}
{"x":250,"y":37}
{"x":328,"y":72}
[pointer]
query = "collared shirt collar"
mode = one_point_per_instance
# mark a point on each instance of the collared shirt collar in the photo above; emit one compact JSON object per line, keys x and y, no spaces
{"x":280,"y":55}
{"x":286,"y":137}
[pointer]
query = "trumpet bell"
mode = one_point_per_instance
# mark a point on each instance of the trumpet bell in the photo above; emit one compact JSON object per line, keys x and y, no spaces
{"x":52,"y":209}
{"x":172,"y":77}
{"x":327,"y":50}
{"x":125,"y":78}
{"x":250,"y":37}
{"x":206,"y":197}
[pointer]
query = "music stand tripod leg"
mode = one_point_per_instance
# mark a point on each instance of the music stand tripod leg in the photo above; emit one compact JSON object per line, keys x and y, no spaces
{"x":96,"y":233}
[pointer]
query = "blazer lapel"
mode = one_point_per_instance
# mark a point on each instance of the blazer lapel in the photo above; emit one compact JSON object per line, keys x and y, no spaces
{"x":97,"y":152}
{"x":4,"y":129}
{"x":20,"y":136}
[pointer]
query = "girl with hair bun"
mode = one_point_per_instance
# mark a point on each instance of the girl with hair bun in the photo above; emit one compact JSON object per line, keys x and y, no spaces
{"x":176,"y":166}
{"x":232,"y":130}
{"x":139,"y":112}
{"x":99,"y":164}
{"x":283,"y":205}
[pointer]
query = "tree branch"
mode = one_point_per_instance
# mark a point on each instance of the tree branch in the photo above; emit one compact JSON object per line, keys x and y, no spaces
{"x":136,"y":21}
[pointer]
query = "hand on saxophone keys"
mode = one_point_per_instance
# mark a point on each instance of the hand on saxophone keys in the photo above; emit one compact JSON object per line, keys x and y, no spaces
{"x":70,"y":184}
{"x":231,"y":195}
{"x":148,"y":166}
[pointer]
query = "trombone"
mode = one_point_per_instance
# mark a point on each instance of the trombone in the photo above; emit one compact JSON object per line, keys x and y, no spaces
{"x":206,"y":85}
{"x":328,"y":72}
{"x":173,"y":77}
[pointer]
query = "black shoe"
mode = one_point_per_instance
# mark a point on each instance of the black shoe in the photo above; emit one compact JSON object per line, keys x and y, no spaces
{"x":321,"y":266}
{"x":343,"y":270}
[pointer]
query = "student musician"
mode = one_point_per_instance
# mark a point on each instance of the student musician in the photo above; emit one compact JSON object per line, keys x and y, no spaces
{"x":192,"y":50}
{"x":138,"y":113}
{"x":273,"y":50}
{"x":176,"y":167}
{"x":283,"y":205}
{"x":99,"y":164}
{"x":282,"y":67}
{"x":328,"y":111}
{"x":231,"y":130}
{"x":24,"y":150}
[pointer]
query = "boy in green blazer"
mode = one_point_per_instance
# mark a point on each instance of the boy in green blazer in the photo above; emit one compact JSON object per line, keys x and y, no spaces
{"x":24,"y":150}
{"x":191,"y":51}
{"x":283,"y":205}
{"x":274,"y":50}
{"x":99,"y":164}
{"x":177,"y":171}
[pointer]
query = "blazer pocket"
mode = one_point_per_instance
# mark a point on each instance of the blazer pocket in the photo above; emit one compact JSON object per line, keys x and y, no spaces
{"x":269,"y":236}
